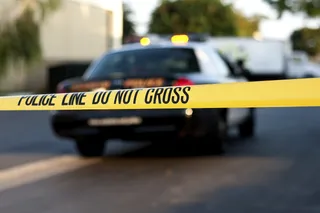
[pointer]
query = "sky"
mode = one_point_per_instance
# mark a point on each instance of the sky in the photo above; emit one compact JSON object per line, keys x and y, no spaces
{"x":279,"y":29}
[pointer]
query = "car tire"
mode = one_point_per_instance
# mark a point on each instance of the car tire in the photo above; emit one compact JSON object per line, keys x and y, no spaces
{"x":247,"y":128}
{"x":90,"y":147}
{"x":215,"y":139}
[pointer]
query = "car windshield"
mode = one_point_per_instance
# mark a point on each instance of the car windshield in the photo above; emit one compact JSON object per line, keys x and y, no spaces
{"x":145,"y":61}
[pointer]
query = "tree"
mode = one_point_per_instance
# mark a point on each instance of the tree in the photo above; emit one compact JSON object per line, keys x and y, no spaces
{"x":247,"y":26}
{"x":193,"y":16}
{"x":19,"y":32}
{"x":128,"y":25}
{"x":310,"y":7}
{"x":307,"y":40}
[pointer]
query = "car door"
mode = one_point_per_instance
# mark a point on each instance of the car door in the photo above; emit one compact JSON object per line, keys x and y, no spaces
{"x":225,"y":67}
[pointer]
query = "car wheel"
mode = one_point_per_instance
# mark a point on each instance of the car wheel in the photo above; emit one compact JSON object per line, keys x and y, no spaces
{"x":215,"y":139}
{"x":247,"y":128}
{"x":90,"y":147}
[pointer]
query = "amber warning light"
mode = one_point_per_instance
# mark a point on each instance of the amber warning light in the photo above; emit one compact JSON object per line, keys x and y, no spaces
{"x":144,"y":41}
{"x":179,"y":39}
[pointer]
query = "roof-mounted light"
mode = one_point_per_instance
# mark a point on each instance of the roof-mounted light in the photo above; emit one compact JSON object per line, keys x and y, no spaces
{"x":179,"y":39}
{"x":145,"y":41}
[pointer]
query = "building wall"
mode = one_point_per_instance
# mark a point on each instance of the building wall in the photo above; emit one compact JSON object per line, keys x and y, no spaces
{"x":78,"y":31}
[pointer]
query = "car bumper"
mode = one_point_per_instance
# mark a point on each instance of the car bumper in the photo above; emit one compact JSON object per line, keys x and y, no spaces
{"x":128,"y":124}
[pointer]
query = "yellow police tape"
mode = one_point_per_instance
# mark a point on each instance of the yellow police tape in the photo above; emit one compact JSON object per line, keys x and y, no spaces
{"x":282,"y":93}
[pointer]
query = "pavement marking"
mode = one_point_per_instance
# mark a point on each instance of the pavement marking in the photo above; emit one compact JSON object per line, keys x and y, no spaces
{"x":32,"y":172}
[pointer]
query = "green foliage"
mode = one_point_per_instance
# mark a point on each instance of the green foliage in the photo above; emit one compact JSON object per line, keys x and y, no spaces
{"x":19,"y":41}
{"x":193,"y":16}
{"x":307,"y":40}
{"x":309,"y":7}
{"x":128,"y":25}
{"x":20,"y":38}
{"x":46,"y":7}
{"x":247,"y":26}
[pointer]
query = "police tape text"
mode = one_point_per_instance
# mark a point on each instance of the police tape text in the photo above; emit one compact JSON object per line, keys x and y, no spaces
{"x":73,"y":99}
{"x":151,"y":96}
{"x":167,"y":95}
{"x":37,"y":100}
{"x":160,"y":95}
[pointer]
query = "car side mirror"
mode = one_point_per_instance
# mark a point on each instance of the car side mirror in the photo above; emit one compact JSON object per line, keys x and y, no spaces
{"x":240,"y":63}
{"x":241,"y":69}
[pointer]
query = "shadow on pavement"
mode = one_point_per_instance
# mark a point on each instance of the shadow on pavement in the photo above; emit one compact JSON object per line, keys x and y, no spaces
{"x":123,"y":149}
{"x":172,"y":149}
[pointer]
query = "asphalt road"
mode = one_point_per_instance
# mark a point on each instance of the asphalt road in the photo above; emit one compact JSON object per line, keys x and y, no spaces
{"x":276,"y":172}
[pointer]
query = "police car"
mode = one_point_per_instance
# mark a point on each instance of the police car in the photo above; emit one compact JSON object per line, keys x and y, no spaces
{"x":174,"y":62}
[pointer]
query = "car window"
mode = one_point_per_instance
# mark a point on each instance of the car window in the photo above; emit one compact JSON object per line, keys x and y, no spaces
{"x":144,"y":61}
{"x":229,"y":64}
{"x":220,"y":65}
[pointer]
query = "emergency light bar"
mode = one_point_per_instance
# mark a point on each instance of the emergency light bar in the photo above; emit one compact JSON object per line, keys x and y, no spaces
{"x":175,"y":38}
{"x":199,"y":37}
{"x":144,"y":41}
{"x":192,"y":37}
{"x":179,"y":39}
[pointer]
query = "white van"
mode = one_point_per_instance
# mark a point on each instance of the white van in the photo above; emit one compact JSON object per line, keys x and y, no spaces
{"x":301,"y":67}
{"x":265,"y":59}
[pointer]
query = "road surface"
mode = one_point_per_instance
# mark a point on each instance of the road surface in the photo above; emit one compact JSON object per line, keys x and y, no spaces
{"x":276,"y":172}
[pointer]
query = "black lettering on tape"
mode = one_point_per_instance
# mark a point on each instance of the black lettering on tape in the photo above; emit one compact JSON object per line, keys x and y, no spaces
{"x":101,"y":97}
{"x":82,"y":96}
{"x":148,"y":98}
{"x":38,"y":100}
{"x":64,"y":102}
{"x":105,"y":97}
{"x":73,"y":99}
{"x":176,"y":96}
{"x":136,"y":95}
{"x":157,"y":96}
{"x":33,"y":100}
{"x":23,"y":97}
{"x":123,"y":96}
{"x":127,"y":96}
{"x":29,"y":100}
{"x":118,"y":97}
{"x":43,"y":101}
{"x":96,"y":98}
{"x":167,"y":95}
{"x":185,"y":91}
{"x":51,"y":103}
